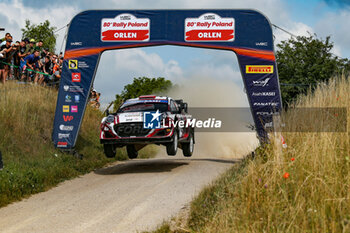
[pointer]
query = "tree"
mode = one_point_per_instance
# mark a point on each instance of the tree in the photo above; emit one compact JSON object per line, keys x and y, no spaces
{"x":142,"y":86}
{"x":43,"y":31}
{"x":306,"y":61}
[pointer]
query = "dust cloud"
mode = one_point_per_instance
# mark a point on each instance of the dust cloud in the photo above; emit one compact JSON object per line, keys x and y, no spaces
{"x":210,"y":92}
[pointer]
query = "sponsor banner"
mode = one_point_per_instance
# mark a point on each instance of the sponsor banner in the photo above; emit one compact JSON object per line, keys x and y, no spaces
{"x":75,"y":64}
{"x":76,"y":77}
{"x":271,"y":93}
{"x":125,"y":27}
{"x":66,"y":127}
{"x":266,"y":113}
{"x":68,"y":98}
{"x":65,"y":108}
{"x":74,"y":108}
{"x":266,"y":104}
{"x":261,"y":83}
{"x":73,"y":88}
{"x":62,"y":144}
{"x":210,"y":27}
{"x":67,"y":118}
{"x":77,"y":43}
{"x":76,"y":98}
{"x":258,"y":69}
{"x":63,"y":135}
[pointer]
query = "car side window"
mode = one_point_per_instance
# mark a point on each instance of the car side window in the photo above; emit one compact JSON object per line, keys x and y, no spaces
{"x":173,"y":107}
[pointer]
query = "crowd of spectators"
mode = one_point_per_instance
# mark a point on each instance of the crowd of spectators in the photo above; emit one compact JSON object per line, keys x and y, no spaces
{"x":29,"y":61}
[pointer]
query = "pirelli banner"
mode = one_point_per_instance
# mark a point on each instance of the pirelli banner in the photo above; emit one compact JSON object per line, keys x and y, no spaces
{"x":247,"y":33}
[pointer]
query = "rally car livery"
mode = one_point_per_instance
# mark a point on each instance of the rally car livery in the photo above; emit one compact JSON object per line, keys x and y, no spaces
{"x":148,"y":120}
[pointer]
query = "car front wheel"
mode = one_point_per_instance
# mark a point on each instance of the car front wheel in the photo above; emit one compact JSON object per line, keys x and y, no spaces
{"x":110,"y":150}
{"x":188,"y":147}
{"x":171,"y":148}
{"x":132,"y":152}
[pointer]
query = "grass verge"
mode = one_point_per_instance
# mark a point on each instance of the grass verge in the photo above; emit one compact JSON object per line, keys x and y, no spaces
{"x":32,"y":164}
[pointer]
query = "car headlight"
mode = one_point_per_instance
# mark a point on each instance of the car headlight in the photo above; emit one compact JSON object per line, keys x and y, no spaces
{"x":110,"y":119}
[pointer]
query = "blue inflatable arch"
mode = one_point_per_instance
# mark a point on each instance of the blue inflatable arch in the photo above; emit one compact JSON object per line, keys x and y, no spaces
{"x":248,"y":33}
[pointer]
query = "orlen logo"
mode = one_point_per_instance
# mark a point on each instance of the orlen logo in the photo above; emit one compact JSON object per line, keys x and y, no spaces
{"x":125,"y":27}
{"x":76,"y":77}
{"x":261,"y":83}
{"x":62,"y":144}
{"x":259,"y":69}
{"x":67,"y":118}
{"x":209,"y":27}
{"x":66,"y":127}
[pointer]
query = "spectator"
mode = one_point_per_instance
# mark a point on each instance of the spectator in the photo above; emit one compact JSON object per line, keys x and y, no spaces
{"x":47,"y":69}
{"x":2,"y":65}
{"x":3,"y":40}
{"x":39,"y":46}
{"x":31,"y":62}
{"x":56,"y":75}
{"x":29,"y":57}
{"x":95,"y":99}
{"x":30,"y":47}
{"x":17,"y":57}
{"x":7,"y":50}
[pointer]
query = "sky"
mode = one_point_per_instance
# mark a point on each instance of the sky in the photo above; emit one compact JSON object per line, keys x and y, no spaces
{"x":118,"y":68}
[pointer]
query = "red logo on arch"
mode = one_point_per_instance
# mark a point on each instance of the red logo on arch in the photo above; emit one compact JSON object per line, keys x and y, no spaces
{"x":76,"y":77}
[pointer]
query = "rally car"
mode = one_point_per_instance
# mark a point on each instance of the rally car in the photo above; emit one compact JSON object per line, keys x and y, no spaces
{"x":148,"y":120}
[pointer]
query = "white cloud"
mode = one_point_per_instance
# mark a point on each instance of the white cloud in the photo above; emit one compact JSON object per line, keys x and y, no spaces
{"x":118,"y":68}
{"x":16,"y":13}
{"x":296,"y":28}
{"x":336,"y":24}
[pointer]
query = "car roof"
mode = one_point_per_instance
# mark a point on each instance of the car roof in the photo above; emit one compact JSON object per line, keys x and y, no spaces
{"x":147,"y":99}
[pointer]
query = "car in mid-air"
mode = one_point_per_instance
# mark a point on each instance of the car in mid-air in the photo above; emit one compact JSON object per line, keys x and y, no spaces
{"x":147,"y":120}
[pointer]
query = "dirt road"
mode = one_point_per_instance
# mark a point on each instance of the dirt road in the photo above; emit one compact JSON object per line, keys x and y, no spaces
{"x":125,"y":197}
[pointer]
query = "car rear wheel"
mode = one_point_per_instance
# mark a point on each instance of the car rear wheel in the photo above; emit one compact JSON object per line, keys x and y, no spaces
{"x":110,"y":150}
{"x":188,"y":147}
{"x":171,"y":148}
{"x":132,"y":152}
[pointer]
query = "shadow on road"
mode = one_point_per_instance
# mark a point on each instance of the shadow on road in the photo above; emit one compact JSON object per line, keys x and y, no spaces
{"x":141,"y":166}
{"x":153,"y":165}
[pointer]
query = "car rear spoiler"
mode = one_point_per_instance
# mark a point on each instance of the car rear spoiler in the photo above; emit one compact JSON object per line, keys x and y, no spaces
{"x":182,"y":105}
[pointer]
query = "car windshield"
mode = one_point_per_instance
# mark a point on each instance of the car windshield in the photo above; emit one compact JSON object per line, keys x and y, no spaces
{"x":142,"y":107}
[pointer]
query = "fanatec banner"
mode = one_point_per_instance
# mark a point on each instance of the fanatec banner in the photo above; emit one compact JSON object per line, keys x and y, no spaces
{"x":247,"y":33}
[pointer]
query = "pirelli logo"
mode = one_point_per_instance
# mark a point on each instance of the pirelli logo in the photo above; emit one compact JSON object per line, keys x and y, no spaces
{"x":259,"y":69}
